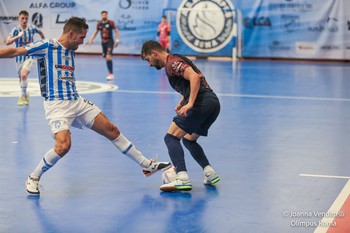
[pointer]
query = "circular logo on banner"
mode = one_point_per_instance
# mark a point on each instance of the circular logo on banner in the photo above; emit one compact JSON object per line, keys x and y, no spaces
{"x":207,"y":25}
{"x":9,"y":87}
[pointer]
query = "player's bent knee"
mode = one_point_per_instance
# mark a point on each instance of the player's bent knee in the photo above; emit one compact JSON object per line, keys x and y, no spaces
{"x":62,"y":149}
{"x":110,"y":131}
{"x":168,"y":139}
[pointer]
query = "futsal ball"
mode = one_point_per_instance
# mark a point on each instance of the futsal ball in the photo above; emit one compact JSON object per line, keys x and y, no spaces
{"x":169,"y":175}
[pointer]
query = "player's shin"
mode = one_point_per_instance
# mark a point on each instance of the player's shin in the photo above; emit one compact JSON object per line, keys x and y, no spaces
{"x":47,"y":162}
{"x":127,"y":148}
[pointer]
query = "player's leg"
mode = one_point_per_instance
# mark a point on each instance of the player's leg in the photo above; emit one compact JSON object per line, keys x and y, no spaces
{"x":62,"y":146}
{"x":167,"y":44}
{"x":23,"y":74}
{"x":60,"y":116}
{"x":206,"y":114}
{"x":105,"y":127}
{"x":197,"y":152}
{"x":23,"y":83}
{"x":109,"y":60}
{"x":106,"y":56}
{"x":177,"y":156}
{"x":163,"y":42}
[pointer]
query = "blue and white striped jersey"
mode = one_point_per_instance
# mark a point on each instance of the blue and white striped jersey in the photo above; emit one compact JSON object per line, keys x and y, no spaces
{"x":27,"y":38}
{"x":55,"y":68}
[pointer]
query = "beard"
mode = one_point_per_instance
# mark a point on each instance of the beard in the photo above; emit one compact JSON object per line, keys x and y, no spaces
{"x":157,"y":65}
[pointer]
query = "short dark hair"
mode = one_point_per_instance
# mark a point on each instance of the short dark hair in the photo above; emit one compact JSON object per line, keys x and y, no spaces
{"x":23,"y":12}
{"x":104,"y":12}
{"x":75,"y":24}
{"x":148,"y":46}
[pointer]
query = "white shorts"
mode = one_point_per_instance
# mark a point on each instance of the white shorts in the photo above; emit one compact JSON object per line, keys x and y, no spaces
{"x":62,"y":114}
{"x":27,"y":64}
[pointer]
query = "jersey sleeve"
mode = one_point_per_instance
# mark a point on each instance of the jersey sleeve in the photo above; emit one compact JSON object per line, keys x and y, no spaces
{"x":176,"y":66}
{"x":37,"y":48}
{"x":113,"y":24}
{"x":36,"y":29}
{"x":98,"y":25}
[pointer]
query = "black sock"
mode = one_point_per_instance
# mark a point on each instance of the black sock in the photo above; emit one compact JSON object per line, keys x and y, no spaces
{"x":176,"y":152}
{"x":110,"y":66}
{"x":196,"y":151}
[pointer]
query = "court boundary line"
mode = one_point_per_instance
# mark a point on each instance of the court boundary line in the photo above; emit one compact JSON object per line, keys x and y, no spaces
{"x":337,"y":204}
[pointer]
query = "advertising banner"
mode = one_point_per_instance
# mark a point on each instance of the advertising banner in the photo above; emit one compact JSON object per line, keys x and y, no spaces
{"x":137,"y":20}
{"x":307,"y":29}
{"x":202,"y":28}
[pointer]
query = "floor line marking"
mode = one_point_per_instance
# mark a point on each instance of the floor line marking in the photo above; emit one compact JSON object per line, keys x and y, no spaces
{"x":246,"y":96}
{"x":111,"y":86}
{"x":335,"y":208}
{"x":287,"y":97}
{"x":325,"y":176}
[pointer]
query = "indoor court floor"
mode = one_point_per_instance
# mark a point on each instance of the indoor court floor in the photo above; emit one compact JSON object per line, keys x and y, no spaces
{"x":280,"y":145}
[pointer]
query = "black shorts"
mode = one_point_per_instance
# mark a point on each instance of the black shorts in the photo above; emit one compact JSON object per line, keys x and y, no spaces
{"x":107,"y":48}
{"x":201,"y":116}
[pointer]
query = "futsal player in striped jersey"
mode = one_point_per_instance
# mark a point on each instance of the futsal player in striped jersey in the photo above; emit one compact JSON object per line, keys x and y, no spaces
{"x":64,"y":107}
{"x":22,"y":35}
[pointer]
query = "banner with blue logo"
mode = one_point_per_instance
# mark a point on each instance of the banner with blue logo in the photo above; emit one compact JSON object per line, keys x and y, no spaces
{"x":307,"y":29}
{"x":202,"y":28}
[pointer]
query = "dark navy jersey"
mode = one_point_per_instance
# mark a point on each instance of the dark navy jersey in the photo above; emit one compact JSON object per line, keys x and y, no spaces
{"x":175,"y":68}
{"x":106,"y":29}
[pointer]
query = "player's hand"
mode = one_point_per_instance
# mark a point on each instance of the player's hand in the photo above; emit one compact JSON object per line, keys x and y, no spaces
{"x":20,"y":34}
{"x":177,"y":108}
{"x":116,"y":43}
{"x":184,"y":109}
{"x":90,"y":42}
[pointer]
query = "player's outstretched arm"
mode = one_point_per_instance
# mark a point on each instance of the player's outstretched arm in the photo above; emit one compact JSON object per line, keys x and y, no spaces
{"x":93,"y":37}
{"x":12,"y":52}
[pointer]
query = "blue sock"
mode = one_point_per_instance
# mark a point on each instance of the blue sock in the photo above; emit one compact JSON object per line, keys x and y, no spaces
{"x":196,"y":151}
{"x":176,"y":152}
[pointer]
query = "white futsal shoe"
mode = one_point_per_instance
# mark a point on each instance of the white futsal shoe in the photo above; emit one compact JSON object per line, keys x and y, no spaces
{"x":211,"y":178}
{"x":110,"y":77}
{"x":177,"y":185}
{"x":155,"y":166}
{"x":32,"y":185}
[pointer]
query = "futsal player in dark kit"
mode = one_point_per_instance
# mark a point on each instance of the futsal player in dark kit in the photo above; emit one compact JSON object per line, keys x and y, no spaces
{"x":106,"y":27}
{"x":196,"y":112}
